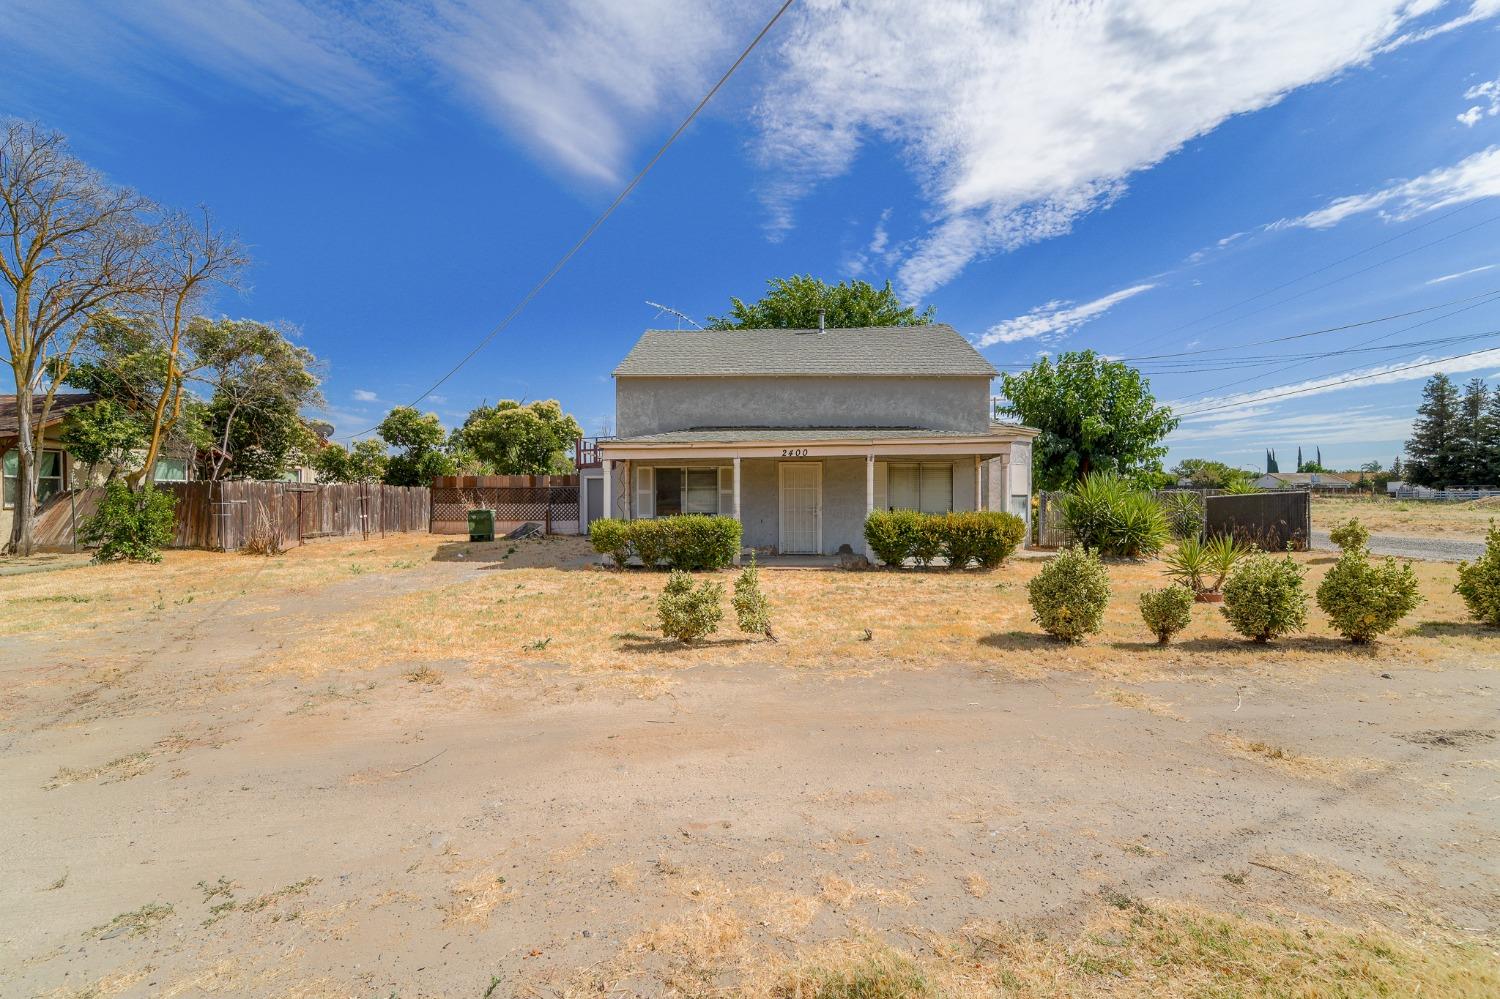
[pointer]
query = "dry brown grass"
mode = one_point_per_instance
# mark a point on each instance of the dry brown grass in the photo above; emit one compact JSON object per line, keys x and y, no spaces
{"x":602,"y":626}
{"x":475,"y":898}
{"x":1298,"y":764}
{"x":1132,"y":950}
{"x":99,"y":594}
{"x":1141,"y":701}
{"x":1382,"y":515}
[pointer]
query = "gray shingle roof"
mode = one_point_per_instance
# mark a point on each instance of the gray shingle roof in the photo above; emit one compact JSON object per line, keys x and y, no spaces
{"x":750,"y":435}
{"x":936,"y":349}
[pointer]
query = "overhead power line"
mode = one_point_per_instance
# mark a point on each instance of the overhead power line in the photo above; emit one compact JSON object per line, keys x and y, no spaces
{"x":562,"y":261}
{"x":1259,"y":396}
{"x":1326,"y":267}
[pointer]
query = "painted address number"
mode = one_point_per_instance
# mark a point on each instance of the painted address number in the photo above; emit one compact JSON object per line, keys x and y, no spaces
{"x":794,"y":452}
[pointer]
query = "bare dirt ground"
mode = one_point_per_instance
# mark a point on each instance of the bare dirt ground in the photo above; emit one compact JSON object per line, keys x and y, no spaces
{"x":1459,"y":522}
{"x":420,"y":779}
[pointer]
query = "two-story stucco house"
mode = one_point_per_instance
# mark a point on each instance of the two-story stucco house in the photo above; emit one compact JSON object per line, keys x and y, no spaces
{"x":800,"y":434}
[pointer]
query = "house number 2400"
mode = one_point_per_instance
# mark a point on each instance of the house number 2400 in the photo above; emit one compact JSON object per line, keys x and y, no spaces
{"x":794,"y":452}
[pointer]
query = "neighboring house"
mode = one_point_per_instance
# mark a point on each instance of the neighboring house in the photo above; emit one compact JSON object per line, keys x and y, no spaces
{"x":800,"y":434}
{"x":58,"y":470}
{"x":1303,"y":480}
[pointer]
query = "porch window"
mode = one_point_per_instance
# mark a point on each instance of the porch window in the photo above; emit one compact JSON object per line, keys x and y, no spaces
{"x":49,"y":476}
{"x":686,"y":490}
{"x":924,"y":487}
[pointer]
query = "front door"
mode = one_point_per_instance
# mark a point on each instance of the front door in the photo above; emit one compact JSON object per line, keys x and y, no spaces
{"x":801,"y":508}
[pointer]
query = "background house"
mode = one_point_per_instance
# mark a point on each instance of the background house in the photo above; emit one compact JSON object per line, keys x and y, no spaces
{"x":1319,"y":481}
{"x":799,"y":434}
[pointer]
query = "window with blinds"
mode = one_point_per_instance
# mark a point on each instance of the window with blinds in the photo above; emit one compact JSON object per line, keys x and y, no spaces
{"x":924,"y":487}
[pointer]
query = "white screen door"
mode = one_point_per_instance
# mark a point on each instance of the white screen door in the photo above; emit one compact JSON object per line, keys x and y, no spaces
{"x":801,"y":508}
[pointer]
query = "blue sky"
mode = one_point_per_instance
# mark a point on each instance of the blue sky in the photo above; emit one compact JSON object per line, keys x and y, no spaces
{"x":1142,"y":178}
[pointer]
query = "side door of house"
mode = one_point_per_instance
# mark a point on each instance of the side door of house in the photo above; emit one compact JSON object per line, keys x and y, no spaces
{"x":593,"y":500}
{"x":801,"y":508}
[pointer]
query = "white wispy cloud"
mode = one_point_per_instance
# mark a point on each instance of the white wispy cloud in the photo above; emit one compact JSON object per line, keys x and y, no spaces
{"x":1351,"y":425}
{"x":1461,"y":274}
{"x":1477,"y":176}
{"x":365,"y":395}
{"x":1488,"y":93}
{"x":1056,"y":318}
{"x":1260,"y":402}
{"x":1018,"y":118}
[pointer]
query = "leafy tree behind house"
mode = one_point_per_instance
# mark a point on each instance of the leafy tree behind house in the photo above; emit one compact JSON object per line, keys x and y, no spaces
{"x":419,"y":440}
{"x":1202,"y":473}
{"x":1093,"y":414}
{"x":260,"y":382}
{"x":794,"y":303}
{"x":102,"y":432}
{"x":513,"y":438}
{"x":1432,"y":452}
{"x":364,"y":462}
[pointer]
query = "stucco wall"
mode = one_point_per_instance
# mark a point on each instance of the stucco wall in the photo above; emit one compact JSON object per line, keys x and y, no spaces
{"x":657,"y":405}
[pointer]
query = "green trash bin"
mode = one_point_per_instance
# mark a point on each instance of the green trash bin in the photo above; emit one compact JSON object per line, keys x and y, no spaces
{"x":481,"y":525}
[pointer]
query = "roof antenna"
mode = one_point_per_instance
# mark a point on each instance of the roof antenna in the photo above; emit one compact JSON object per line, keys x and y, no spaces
{"x":821,"y":316}
{"x":682,"y":317}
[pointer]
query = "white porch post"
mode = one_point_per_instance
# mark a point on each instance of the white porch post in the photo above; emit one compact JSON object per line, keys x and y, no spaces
{"x":869,"y":498}
{"x":978,"y":483}
{"x":609,"y":484}
{"x":736,"y":477}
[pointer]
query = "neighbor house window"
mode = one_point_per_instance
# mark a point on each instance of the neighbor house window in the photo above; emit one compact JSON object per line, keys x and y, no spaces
{"x":49,"y":476}
{"x":170,"y":470}
{"x":924,"y":487}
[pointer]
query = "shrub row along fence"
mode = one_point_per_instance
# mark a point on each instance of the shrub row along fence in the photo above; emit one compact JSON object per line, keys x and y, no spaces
{"x":221,"y":516}
{"x":550,"y":501}
{"x":1272,"y":520}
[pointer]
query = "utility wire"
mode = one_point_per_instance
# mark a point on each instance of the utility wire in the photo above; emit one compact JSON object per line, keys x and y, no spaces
{"x":1258,"y":396}
{"x":1302,"y":277}
{"x":588,"y":233}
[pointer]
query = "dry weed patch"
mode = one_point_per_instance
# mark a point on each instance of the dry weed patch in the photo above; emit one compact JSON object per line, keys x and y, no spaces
{"x":1332,"y":769}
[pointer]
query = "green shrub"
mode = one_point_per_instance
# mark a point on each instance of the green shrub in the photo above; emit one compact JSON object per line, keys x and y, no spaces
{"x":927,"y":539}
{"x":688,"y":614}
{"x":1365,"y":600}
{"x":750,"y":607}
{"x":1479,"y":583}
{"x":1069,"y":595}
{"x":1104,"y":512}
{"x":892,"y":534}
{"x":133,"y":526}
{"x":611,"y":536}
{"x":648,"y":539}
{"x":694,"y":542}
{"x":987,"y":537}
{"x":1264,"y":599}
{"x":1350,"y":536}
{"x":1184,"y":512}
{"x":1202,"y":566}
{"x":1167,"y":611}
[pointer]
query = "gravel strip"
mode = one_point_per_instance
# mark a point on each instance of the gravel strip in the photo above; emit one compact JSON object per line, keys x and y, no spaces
{"x":1402,"y":546}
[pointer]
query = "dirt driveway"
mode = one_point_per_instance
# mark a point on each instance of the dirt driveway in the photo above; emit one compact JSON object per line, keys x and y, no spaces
{"x":183,"y":820}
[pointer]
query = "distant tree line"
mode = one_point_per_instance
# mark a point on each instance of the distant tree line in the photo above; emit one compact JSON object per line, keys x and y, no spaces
{"x":1456,"y":436}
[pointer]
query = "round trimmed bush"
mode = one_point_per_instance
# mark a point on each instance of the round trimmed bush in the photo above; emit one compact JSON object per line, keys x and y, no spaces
{"x":611,"y":536}
{"x":987,"y":537}
{"x":892,"y":535}
{"x":1264,"y":598}
{"x":688,"y":614}
{"x":1070,"y":593}
{"x":1350,"y":536}
{"x":1479,"y":582}
{"x":1167,"y":611}
{"x":1365,"y":600}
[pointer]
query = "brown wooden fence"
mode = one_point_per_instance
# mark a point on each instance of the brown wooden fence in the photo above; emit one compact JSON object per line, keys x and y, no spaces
{"x":222,"y":515}
{"x":549,"y":501}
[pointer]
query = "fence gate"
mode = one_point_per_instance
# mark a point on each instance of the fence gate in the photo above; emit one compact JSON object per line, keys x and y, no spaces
{"x":1050,"y":532}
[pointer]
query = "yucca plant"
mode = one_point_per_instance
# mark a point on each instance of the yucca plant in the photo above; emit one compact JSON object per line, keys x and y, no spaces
{"x":1104,"y":512}
{"x":1202,"y":566}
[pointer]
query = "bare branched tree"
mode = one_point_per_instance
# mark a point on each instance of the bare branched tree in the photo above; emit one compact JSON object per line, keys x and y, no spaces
{"x":191,"y":259}
{"x":70,"y":244}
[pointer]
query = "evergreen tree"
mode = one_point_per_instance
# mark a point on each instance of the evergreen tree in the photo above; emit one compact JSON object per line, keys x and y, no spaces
{"x":1397,"y":471}
{"x":1431,"y":449}
{"x":1271,"y":465}
{"x":1471,"y":462}
{"x":1490,"y":441}
{"x":1299,"y":457}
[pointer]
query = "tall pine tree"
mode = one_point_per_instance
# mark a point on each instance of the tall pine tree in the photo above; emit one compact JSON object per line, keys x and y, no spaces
{"x":1489,"y":437}
{"x":1471,"y":462}
{"x":1432,"y":450}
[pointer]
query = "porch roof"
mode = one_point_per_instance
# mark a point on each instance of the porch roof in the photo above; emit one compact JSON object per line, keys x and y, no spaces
{"x":819,"y":435}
